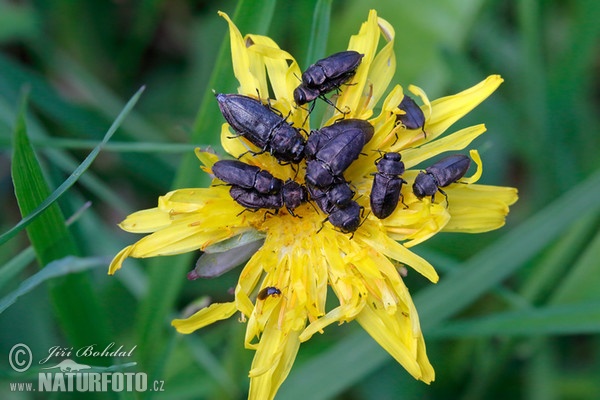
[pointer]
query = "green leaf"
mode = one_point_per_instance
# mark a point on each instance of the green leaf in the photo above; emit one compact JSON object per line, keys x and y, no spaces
{"x":319,"y":32}
{"x":129,"y":147}
{"x":15,"y":266}
{"x":64,"y":266}
{"x":73,"y":297}
{"x":572,"y":319}
{"x":579,"y":285}
{"x":47,"y":233}
{"x":21,"y":171}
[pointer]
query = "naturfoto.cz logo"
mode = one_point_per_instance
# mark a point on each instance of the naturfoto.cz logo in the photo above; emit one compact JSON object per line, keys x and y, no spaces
{"x":70,"y":376}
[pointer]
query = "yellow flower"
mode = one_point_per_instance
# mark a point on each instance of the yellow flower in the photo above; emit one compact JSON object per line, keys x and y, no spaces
{"x":303,"y":256}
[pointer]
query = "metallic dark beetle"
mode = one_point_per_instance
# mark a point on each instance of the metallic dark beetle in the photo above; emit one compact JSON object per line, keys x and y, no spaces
{"x":291,"y":196}
{"x":414,"y":117}
{"x":262,"y":127}
{"x":387,"y":185}
{"x":247,"y":176}
{"x":327,"y":74}
{"x":268,"y":291}
{"x":337,"y":195}
{"x":336,"y":154}
{"x":320,"y":137}
{"x":346,"y":219}
{"x":439,"y":175}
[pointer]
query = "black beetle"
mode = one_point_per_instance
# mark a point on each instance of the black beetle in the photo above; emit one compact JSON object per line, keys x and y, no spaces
{"x":247,"y":176}
{"x":414,"y":117}
{"x":327,"y":74}
{"x":320,"y":137}
{"x":335,"y":196}
{"x":346,"y":219}
{"x":387,"y":185}
{"x":268,"y":291}
{"x":441,"y":174}
{"x":292,"y":195}
{"x":337,"y":153}
{"x":336,"y":201}
{"x":262,"y":127}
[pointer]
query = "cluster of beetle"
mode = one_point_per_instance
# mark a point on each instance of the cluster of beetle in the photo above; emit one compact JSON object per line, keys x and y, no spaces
{"x":328,"y":152}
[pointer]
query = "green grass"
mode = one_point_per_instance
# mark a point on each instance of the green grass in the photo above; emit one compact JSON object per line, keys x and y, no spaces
{"x":515,"y":313}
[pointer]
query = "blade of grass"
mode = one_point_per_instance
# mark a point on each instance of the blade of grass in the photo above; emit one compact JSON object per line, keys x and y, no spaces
{"x":557,"y":262}
{"x":571,"y":319}
{"x":72,"y":296}
{"x":129,"y":147}
{"x":54,"y":269}
{"x":319,"y":32}
{"x":580,"y":284}
{"x":204,"y":358}
{"x":535,"y":96}
{"x":15,"y":266}
{"x":101,"y":106}
{"x":74,"y":176}
{"x":65,"y":161}
{"x":19,"y":262}
{"x":167,"y":275}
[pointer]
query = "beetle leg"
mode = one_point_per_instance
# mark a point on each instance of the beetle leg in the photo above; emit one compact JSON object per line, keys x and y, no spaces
{"x":445,"y":195}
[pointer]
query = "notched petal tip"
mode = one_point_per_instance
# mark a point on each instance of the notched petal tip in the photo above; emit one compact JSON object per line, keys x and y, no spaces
{"x":477,"y":174}
{"x":117,"y":262}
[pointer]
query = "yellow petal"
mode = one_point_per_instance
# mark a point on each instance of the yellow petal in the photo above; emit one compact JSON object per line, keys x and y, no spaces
{"x":478,"y":208}
{"x":273,"y":361}
{"x":146,"y":221}
{"x":365,"y":42}
{"x":446,"y":111}
{"x":241,"y":60}
{"x":396,"y":251}
{"x":475,"y":177}
{"x":381,"y":71}
{"x":249,"y":278}
{"x":117,"y":262}
{"x":211,"y":314}
{"x":186,"y":235}
{"x":207,"y":158}
{"x":418,"y":223}
{"x":457,"y":141}
{"x":395,"y":334}
{"x":280,"y":72}
{"x":185,"y":201}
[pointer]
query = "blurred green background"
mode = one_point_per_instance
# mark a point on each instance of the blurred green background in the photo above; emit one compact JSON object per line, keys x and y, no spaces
{"x":517,"y":311}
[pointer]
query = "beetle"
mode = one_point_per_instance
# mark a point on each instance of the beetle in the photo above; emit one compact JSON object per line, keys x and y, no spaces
{"x":291,"y":195}
{"x":346,"y":219}
{"x":336,"y":201}
{"x":247,"y":176}
{"x":262,"y":127}
{"x":441,"y":174}
{"x":414,"y":117}
{"x":320,"y":137}
{"x":337,"y":195}
{"x":337,"y":153}
{"x":387,"y":185}
{"x":326,"y":75}
{"x":268,"y":291}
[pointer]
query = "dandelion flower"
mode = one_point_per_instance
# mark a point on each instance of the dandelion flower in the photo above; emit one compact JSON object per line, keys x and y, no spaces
{"x":304,"y":259}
